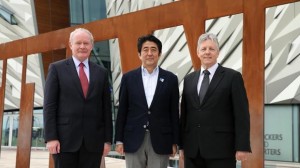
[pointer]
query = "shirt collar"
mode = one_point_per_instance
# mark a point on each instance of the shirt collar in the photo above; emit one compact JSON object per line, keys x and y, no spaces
{"x":212,"y":69}
{"x":77,"y":62}
{"x":145,"y":71}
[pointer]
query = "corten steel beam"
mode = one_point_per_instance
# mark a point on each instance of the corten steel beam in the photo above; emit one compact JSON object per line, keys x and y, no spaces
{"x":128,"y":27}
{"x":271,"y":3}
{"x":253,"y":74}
{"x":2,"y":96}
{"x":192,"y":15}
{"x":51,"y":15}
{"x":25,"y":120}
{"x":25,"y":126}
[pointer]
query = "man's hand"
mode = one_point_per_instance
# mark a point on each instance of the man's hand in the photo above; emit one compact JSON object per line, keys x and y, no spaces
{"x":241,"y":155}
{"x":53,"y":146}
{"x":174,"y":150}
{"x":107,"y":148}
{"x":120,"y":149}
{"x":181,"y":154}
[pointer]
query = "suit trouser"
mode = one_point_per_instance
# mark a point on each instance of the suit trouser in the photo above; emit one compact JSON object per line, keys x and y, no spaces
{"x":200,"y":162}
{"x":79,"y":159}
{"x":145,"y":157}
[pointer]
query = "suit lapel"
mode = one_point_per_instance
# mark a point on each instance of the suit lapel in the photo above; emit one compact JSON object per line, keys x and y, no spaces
{"x":214,"y":82}
{"x":92,"y":71}
{"x":194,"y":85}
{"x":161,"y":80}
{"x":140,"y":85}
{"x":73,"y":73}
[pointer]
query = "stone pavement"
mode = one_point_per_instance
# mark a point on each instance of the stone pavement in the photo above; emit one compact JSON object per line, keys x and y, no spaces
{"x":40,"y":159}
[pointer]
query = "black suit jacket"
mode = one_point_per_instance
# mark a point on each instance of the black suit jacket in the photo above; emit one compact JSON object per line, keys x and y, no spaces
{"x":70,"y":117}
{"x":220,"y":126}
{"x":163,"y":114}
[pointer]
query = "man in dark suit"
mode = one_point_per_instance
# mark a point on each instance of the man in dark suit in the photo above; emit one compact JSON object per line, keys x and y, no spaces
{"x":147,"y":127}
{"x":215,"y":126}
{"x":77,"y":107}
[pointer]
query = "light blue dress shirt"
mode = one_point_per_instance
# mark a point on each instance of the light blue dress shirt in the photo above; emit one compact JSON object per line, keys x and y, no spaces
{"x":86,"y":67}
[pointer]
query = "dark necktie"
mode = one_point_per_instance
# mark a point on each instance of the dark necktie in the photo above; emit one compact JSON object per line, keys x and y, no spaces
{"x":83,"y":79}
{"x":204,"y":85}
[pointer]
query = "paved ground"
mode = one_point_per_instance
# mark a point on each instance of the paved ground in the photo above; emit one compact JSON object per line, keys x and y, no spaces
{"x":40,"y":158}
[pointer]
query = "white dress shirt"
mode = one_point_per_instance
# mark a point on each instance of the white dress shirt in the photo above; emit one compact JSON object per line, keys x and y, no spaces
{"x":149,"y":82}
{"x":212,"y":71}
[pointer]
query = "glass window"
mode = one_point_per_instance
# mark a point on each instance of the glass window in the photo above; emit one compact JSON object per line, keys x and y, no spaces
{"x":15,"y":129}
{"x":7,"y":15}
{"x":38,"y":129}
{"x":86,"y":11}
{"x":5,"y":131}
{"x":281,"y":133}
{"x":10,"y":129}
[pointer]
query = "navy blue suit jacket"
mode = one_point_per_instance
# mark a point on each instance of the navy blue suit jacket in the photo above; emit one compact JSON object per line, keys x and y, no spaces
{"x":162,"y":115}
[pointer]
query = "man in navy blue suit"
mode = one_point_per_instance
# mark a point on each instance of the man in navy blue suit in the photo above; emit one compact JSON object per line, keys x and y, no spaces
{"x":147,"y":126}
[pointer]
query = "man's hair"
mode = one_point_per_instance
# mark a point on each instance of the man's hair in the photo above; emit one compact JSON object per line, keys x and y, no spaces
{"x":208,"y":36}
{"x":81,"y":30}
{"x":149,"y":37}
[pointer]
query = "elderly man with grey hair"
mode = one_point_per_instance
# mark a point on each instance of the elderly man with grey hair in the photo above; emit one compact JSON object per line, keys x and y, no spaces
{"x":215,"y":120}
{"x":77,"y":107}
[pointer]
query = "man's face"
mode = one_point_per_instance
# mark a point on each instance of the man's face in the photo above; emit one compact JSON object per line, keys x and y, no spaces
{"x":208,"y":53}
{"x":81,"y":45}
{"x":149,"y":54}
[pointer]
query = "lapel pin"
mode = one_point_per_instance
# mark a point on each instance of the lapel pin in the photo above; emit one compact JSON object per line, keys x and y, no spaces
{"x":161,"y":79}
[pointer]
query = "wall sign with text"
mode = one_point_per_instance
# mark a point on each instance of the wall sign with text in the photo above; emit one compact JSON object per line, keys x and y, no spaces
{"x":278,"y":138}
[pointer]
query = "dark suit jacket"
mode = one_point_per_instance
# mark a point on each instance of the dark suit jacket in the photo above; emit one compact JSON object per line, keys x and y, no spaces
{"x":220,"y":126}
{"x":163,"y":114}
{"x":71,"y":118}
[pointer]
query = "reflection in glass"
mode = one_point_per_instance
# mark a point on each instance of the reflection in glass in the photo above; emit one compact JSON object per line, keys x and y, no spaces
{"x":15,"y":128}
{"x":5,"y":131}
{"x":10,"y":129}
{"x":38,"y":129}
